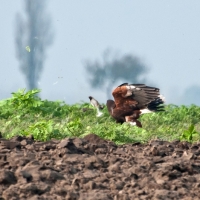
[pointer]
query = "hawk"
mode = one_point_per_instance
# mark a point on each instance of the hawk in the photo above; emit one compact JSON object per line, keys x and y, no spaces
{"x":132,"y":100}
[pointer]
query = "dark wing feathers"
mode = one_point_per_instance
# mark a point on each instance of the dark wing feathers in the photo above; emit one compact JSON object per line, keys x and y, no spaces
{"x":140,"y":93}
{"x":123,"y":84}
{"x":156,"y":105}
{"x":145,"y":95}
{"x":131,"y":84}
{"x":138,"y":85}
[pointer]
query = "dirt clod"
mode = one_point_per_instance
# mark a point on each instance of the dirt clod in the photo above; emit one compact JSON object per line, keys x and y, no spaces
{"x":92,"y":168}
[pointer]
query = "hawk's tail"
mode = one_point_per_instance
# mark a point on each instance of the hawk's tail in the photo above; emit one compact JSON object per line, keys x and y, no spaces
{"x":157,"y":104}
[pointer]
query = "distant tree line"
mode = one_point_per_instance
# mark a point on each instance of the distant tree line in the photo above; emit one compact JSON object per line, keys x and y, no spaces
{"x":114,"y":68}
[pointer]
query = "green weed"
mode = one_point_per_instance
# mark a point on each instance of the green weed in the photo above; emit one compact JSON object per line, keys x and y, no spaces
{"x":25,"y":113}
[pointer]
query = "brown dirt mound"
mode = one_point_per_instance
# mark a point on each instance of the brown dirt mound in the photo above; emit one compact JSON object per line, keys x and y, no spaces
{"x":94,"y":139}
{"x":94,"y":169}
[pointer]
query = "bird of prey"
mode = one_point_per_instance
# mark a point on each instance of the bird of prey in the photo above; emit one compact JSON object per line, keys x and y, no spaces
{"x":132,"y":100}
{"x":97,"y":105}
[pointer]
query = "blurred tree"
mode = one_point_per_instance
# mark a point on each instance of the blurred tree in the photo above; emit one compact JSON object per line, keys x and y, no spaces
{"x":33,"y":36}
{"x":125,"y":68}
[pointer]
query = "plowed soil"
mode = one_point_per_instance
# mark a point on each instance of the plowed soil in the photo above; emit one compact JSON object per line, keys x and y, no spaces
{"x":94,"y":169}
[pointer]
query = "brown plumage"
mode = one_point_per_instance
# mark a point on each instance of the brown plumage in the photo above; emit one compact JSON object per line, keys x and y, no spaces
{"x":132,"y":100}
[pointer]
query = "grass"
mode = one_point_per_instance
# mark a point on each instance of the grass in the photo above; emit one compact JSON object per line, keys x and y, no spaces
{"x":25,"y":113}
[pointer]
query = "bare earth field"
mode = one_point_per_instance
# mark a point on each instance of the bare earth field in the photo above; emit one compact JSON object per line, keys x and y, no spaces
{"x":95,"y":169}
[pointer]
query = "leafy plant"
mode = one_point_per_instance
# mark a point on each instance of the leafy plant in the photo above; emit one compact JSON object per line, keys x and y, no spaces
{"x":25,"y":113}
{"x":75,"y":127}
{"x":41,"y":130}
{"x":189,"y":134}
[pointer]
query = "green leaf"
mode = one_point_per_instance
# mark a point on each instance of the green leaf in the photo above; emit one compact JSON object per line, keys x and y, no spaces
{"x":28,"y":49}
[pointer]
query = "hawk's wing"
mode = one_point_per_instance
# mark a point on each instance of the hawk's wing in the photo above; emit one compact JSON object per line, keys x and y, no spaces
{"x":134,"y":95}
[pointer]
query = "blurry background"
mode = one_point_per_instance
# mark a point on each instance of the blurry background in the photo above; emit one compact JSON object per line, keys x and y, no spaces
{"x":73,"y":49}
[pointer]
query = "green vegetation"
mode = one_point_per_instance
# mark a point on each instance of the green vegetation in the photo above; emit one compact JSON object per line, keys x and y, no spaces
{"x":25,"y":114}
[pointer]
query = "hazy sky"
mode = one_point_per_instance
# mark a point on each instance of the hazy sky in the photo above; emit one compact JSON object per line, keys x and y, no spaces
{"x":165,"y":35}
